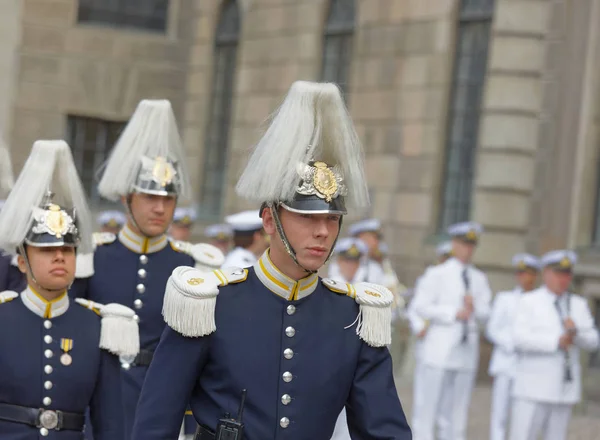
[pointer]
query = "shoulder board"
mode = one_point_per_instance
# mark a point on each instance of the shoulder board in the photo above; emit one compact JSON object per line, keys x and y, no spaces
{"x":91,"y":305}
{"x":181,"y":246}
{"x":206,"y":256}
{"x":101,"y":238}
{"x":8,"y":296}
{"x":339,"y":287}
{"x":230,"y":275}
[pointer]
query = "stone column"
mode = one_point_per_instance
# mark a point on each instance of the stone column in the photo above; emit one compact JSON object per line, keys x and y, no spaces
{"x":509,"y":137}
{"x":10,"y":38}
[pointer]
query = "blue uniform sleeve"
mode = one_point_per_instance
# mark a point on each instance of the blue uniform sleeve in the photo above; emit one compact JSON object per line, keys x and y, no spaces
{"x":175,"y":367}
{"x":105,"y":407}
{"x":373,"y":408}
{"x":79,"y":288}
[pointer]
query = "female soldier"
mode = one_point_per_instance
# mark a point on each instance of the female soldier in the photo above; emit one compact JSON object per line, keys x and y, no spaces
{"x":57,"y":358}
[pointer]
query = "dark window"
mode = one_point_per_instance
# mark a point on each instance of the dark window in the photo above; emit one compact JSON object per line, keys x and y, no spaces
{"x":138,"y":14}
{"x":465,"y":106}
{"x":337,"y":42}
{"x":91,"y":141}
{"x":219,"y":118}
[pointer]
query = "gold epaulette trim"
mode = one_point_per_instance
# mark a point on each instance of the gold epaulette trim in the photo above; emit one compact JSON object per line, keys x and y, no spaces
{"x":181,"y":246}
{"x":8,"y":296}
{"x":339,"y":287}
{"x":91,"y":305}
{"x":230,"y":275}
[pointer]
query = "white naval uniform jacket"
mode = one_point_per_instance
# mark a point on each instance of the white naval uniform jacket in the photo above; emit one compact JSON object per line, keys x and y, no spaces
{"x":439,"y":297}
{"x":499,"y":331}
{"x":369,"y":271}
{"x":538,"y":327}
{"x":416,"y":322}
{"x":240,"y":257}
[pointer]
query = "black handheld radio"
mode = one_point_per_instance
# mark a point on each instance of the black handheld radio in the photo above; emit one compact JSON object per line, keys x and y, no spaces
{"x":232,"y":428}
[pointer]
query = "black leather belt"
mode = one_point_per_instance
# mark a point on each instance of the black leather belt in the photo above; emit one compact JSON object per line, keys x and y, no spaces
{"x":143,"y":358}
{"x":203,"y":433}
{"x":42,"y":418}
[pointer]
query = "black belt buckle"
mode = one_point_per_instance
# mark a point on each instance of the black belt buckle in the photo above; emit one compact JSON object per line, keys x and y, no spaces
{"x":49,"y":419}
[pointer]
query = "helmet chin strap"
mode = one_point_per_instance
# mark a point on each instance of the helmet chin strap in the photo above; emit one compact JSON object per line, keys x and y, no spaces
{"x":288,"y":247}
{"x":23,"y":252}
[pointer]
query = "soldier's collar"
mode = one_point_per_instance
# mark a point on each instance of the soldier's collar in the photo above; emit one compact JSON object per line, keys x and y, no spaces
{"x":139,"y":244}
{"x":41,"y":306}
{"x":282,"y":285}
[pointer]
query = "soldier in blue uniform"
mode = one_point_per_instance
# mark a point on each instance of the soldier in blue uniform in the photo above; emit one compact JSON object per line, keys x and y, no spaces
{"x":146,"y":171}
{"x":57,"y":358}
{"x":10,"y":277}
{"x":302,"y":347}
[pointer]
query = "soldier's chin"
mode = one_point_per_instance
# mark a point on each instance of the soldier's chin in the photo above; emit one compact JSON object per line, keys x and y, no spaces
{"x":56,"y":283}
{"x":312,"y":262}
{"x":155,"y":229}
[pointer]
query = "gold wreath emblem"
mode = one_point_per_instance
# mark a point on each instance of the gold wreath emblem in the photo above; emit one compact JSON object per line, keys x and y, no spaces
{"x":162,"y":172}
{"x":353,"y":251}
{"x":375,"y":294}
{"x":195,"y":281}
{"x":565,"y":262}
{"x":324,"y":181}
{"x":55,"y":220}
{"x":472,"y":235}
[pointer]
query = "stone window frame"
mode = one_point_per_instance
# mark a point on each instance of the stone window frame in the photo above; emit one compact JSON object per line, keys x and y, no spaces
{"x":338,"y":39}
{"x":227,"y":39}
{"x":91,"y":140}
{"x":468,"y":83}
{"x":116,"y":18}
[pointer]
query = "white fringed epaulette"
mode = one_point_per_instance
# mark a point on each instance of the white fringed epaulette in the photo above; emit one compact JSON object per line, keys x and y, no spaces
{"x":206,"y":256}
{"x":374,"y":320}
{"x":191,"y":298}
{"x":119,"y":332}
{"x":84,"y":265}
{"x":8,"y":296}
{"x":102,"y":238}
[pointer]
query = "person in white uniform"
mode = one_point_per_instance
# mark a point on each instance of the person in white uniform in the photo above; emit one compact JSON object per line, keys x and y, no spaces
{"x":453,"y":296}
{"x":418,"y":327}
{"x":184,"y":218}
{"x":369,"y":232}
{"x":499,"y":332}
{"x":350,"y":257}
{"x":220,"y":236}
{"x":551,"y":326}
{"x":249,"y":239}
{"x":391,"y":280}
{"x":350,"y":254}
